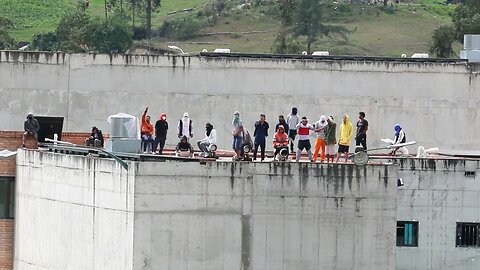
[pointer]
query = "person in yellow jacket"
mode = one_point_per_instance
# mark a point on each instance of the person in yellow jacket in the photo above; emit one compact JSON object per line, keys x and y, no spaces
{"x":344,"y":135}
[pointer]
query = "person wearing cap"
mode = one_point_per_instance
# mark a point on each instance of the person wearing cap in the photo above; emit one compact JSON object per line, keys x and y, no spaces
{"x":237,"y":133}
{"x":146,"y":132}
{"x":210,"y":138}
{"x":303,"y":138}
{"x":185,"y":127}
{"x":161,"y":128}
{"x":31,"y":127}
{"x":280,"y":141}
{"x":292,"y":121}
{"x":344,"y":136}
{"x":184,"y":146}
{"x":95,"y":139}
{"x":260,"y":133}
{"x":320,"y":140}
{"x":330,"y":139}
{"x":362,"y":127}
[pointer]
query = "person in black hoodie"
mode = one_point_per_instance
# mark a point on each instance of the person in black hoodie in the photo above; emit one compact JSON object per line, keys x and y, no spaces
{"x":281,"y":122}
{"x":161,"y":128}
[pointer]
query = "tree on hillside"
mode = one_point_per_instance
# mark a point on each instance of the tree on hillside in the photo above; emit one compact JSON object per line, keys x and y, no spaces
{"x":286,"y":9}
{"x":6,"y":41}
{"x":78,"y":32}
{"x":308,"y":21}
{"x":466,"y":20}
{"x":148,"y":6}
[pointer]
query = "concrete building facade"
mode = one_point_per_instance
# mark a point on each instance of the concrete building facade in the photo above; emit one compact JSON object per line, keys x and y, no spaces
{"x":442,"y":197}
{"x":93,"y":214}
{"x":87,"y":88}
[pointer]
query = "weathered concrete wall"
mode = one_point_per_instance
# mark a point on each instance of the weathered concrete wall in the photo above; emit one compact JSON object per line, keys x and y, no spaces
{"x":72,"y":212}
{"x":86,"y":88}
{"x":437,"y":194}
{"x":264,"y":216}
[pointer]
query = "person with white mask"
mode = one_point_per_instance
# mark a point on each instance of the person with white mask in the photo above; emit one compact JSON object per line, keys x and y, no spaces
{"x":185,"y":127}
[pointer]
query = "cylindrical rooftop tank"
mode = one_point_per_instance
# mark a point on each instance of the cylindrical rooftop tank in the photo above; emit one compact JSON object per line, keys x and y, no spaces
{"x":123,"y":126}
{"x":471,"y":42}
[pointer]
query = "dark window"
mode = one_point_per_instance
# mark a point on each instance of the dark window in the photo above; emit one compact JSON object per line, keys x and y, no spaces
{"x":7,"y":191}
{"x":407,"y":233}
{"x":468,"y":234}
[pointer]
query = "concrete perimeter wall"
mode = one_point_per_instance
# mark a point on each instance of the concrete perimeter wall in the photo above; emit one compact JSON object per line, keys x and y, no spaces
{"x":426,"y":98}
{"x":225,"y":215}
{"x":72,"y":212}
{"x":437,"y":194}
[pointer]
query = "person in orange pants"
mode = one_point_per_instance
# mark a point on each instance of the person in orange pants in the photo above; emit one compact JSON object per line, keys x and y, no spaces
{"x":320,"y":141}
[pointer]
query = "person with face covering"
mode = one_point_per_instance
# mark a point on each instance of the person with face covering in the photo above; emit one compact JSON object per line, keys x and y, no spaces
{"x":281,"y":122}
{"x":400,"y":137}
{"x":147,"y":132}
{"x":161,"y":128}
{"x":185,"y":127}
{"x":237,"y":135}
{"x":330,"y":138}
{"x":292,"y":122}
{"x":320,"y":141}
{"x":31,"y":127}
{"x":210,"y":138}
{"x":344,"y":136}
{"x":303,"y":138}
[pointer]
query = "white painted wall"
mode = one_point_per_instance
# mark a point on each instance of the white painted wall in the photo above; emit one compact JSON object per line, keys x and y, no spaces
{"x":438,"y":195}
{"x":72,"y":212}
{"x":436,"y":103}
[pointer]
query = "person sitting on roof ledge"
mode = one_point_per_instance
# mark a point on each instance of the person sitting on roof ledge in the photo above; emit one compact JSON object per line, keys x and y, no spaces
{"x":184,"y":148}
{"x":95,"y":139}
{"x":30,"y":127}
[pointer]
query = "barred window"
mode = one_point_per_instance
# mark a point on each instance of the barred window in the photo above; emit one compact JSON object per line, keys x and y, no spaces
{"x":468,"y":234}
{"x":407,"y":233}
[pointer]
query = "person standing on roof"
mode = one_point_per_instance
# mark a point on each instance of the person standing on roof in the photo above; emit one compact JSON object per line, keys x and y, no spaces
{"x":161,"y":128}
{"x":237,"y":135}
{"x":330,"y":138}
{"x":292,"y":121}
{"x":303,"y":138}
{"x":147,"y":132}
{"x":260,"y":133}
{"x":344,"y":136}
{"x":185,"y":127}
{"x":320,"y":141}
{"x":362,"y":127}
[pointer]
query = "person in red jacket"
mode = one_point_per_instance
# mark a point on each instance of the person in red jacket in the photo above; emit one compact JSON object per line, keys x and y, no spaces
{"x":280,"y":141}
{"x":147,"y":132}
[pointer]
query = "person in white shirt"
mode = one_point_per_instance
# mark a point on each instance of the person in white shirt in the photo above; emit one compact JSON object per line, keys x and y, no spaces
{"x":185,"y":127}
{"x":292,"y":122}
{"x":210,"y":139}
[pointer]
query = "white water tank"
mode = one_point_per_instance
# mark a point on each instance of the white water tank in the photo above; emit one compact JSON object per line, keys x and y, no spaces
{"x":123,"y":125}
{"x":471,"y":48}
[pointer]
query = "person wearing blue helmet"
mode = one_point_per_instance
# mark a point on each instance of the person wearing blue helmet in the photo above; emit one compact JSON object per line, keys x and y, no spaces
{"x":400,"y":137}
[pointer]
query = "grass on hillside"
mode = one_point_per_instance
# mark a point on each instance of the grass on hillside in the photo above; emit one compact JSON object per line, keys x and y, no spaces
{"x":374,"y":31}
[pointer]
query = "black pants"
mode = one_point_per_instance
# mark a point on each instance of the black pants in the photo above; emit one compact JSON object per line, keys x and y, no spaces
{"x":361,"y":140}
{"x":158,"y":141}
{"x":262,"y":150}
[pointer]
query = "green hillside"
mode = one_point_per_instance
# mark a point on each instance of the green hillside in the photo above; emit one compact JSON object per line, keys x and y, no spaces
{"x":375,"y":30}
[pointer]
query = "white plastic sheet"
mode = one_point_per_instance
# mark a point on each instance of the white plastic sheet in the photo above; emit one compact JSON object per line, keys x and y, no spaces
{"x":130,"y":123}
